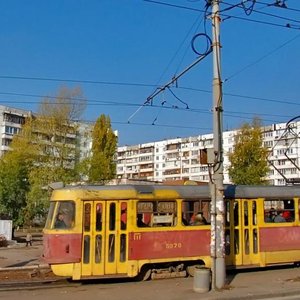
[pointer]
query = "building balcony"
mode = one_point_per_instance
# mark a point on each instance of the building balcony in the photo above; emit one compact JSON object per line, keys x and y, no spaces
{"x":173,"y":171}
{"x":147,"y":168}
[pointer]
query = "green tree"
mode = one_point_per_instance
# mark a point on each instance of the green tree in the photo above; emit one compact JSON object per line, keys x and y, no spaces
{"x":15,"y":167}
{"x":55,"y":129}
{"x":101,"y":164}
{"x":45,"y":151}
{"x":54,"y":132}
{"x":14,"y":186}
{"x":248,"y":161}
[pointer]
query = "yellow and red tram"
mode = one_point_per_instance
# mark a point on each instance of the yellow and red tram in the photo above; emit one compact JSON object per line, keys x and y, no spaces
{"x":150,"y":230}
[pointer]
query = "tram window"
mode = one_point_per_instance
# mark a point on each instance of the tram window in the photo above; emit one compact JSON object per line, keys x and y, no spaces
{"x":98,"y":247}
{"x":246,"y":241}
{"x":254,"y":213}
{"x":190,"y":208}
{"x":87,"y":217}
{"x":236,"y":213}
{"x":122,"y":247}
{"x":227,"y":241}
{"x":123,"y":218}
{"x":279,"y":211}
{"x":255,"y":246}
{"x":236,"y":241}
{"x":86,"y":249}
{"x":65,"y":216}
{"x":50,"y":215}
{"x":98,"y":217}
{"x":111,"y":249}
{"x":156,"y":213}
{"x":112,"y":216}
{"x":227,"y":215}
{"x":246,"y":213}
{"x":140,"y":220}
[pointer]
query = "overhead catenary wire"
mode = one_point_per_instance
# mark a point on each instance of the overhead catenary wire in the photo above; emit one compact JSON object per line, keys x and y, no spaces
{"x":241,"y":115}
{"x":104,"y":102}
{"x":280,"y":7}
{"x":172,"y":81}
{"x":262,"y":57}
{"x":240,"y":5}
{"x":177,"y":51}
{"x":227,"y":16}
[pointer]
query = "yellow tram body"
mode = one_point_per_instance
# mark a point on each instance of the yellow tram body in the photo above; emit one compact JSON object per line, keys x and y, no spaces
{"x":128,"y":231}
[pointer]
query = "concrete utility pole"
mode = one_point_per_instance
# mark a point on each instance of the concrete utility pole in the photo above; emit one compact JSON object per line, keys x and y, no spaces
{"x":217,"y":189}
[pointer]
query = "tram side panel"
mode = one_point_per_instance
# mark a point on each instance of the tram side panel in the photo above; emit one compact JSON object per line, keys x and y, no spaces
{"x":280,"y":244}
{"x":280,"y":230}
{"x":182,"y":245}
{"x":62,"y":248}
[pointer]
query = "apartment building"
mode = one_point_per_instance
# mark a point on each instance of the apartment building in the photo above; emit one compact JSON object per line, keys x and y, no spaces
{"x":11,"y":121}
{"x":180,"y":158}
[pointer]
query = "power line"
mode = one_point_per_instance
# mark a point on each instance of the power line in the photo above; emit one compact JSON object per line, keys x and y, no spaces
{"x":149,"y":100}
{"x":275,"y":16}
{"x":290,"y":26}
{"x":241,"y":115}
{"x":274,"y":4}
{"x":175,"y":6}
{"x":244,"y":96}
{"x":160,"y":125}
{"x":241,"y":5}
{"x":76,"y":81}
{"x":262,"y":58}
{"x":284,"y":101}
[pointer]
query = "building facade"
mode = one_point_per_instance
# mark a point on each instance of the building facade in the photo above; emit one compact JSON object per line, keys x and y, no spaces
{"x":11,"y":121}
{"x":62,"y":142}
{"x":180,"y":158}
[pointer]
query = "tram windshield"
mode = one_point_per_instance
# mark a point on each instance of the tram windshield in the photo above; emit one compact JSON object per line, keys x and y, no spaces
{"x":61,"y":215}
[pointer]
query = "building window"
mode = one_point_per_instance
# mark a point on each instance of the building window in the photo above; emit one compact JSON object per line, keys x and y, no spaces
{"x":268,"y":144}
{"x":11,"y":130}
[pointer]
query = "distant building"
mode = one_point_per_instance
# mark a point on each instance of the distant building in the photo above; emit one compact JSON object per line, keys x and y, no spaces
{"x":11,"y":121}
{"x":60,"y":143}
{"x":180,"y":158}
{"x":173,"y":159}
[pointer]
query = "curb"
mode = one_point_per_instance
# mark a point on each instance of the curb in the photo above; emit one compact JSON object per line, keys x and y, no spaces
{"x":30,"y":267}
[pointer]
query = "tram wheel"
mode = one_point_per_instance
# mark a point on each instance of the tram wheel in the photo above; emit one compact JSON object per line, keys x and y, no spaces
{"x":144,"y":275}
{"x":297,"y":264}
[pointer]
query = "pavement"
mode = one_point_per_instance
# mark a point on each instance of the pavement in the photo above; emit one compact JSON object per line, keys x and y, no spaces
{"x":17,"y":255}
{"x":268,"y":283}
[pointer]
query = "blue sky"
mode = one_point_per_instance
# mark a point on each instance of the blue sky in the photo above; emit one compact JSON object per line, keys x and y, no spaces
{"x":135,"y":45}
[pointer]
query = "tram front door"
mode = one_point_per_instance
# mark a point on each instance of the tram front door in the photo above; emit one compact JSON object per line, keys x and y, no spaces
{"x":104,"y":240}
{"x":241,"y":233}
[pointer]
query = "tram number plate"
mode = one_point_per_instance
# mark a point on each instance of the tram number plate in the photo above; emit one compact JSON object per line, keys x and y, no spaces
{"x":173,"y":245}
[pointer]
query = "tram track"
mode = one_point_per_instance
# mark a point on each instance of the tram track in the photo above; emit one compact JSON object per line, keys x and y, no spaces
{"x":35,"y":285}
{"x":31,"y":278}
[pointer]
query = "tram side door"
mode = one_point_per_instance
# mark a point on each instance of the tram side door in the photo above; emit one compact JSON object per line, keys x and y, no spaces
{"x":116,"y":238}
{"x":248,"y":232}
{"x":104,"y":241}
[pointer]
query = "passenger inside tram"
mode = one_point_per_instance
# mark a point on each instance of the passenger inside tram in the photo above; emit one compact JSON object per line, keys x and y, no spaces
{"x":199,"y":219}
{"x":139,"y":221}
{"x":60,"y":222}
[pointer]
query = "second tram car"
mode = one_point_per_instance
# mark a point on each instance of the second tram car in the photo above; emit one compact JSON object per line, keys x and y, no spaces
{"x":159,"y":231}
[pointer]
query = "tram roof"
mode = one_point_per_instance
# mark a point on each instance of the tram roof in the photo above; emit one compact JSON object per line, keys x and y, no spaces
{"x":192,"y":191}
